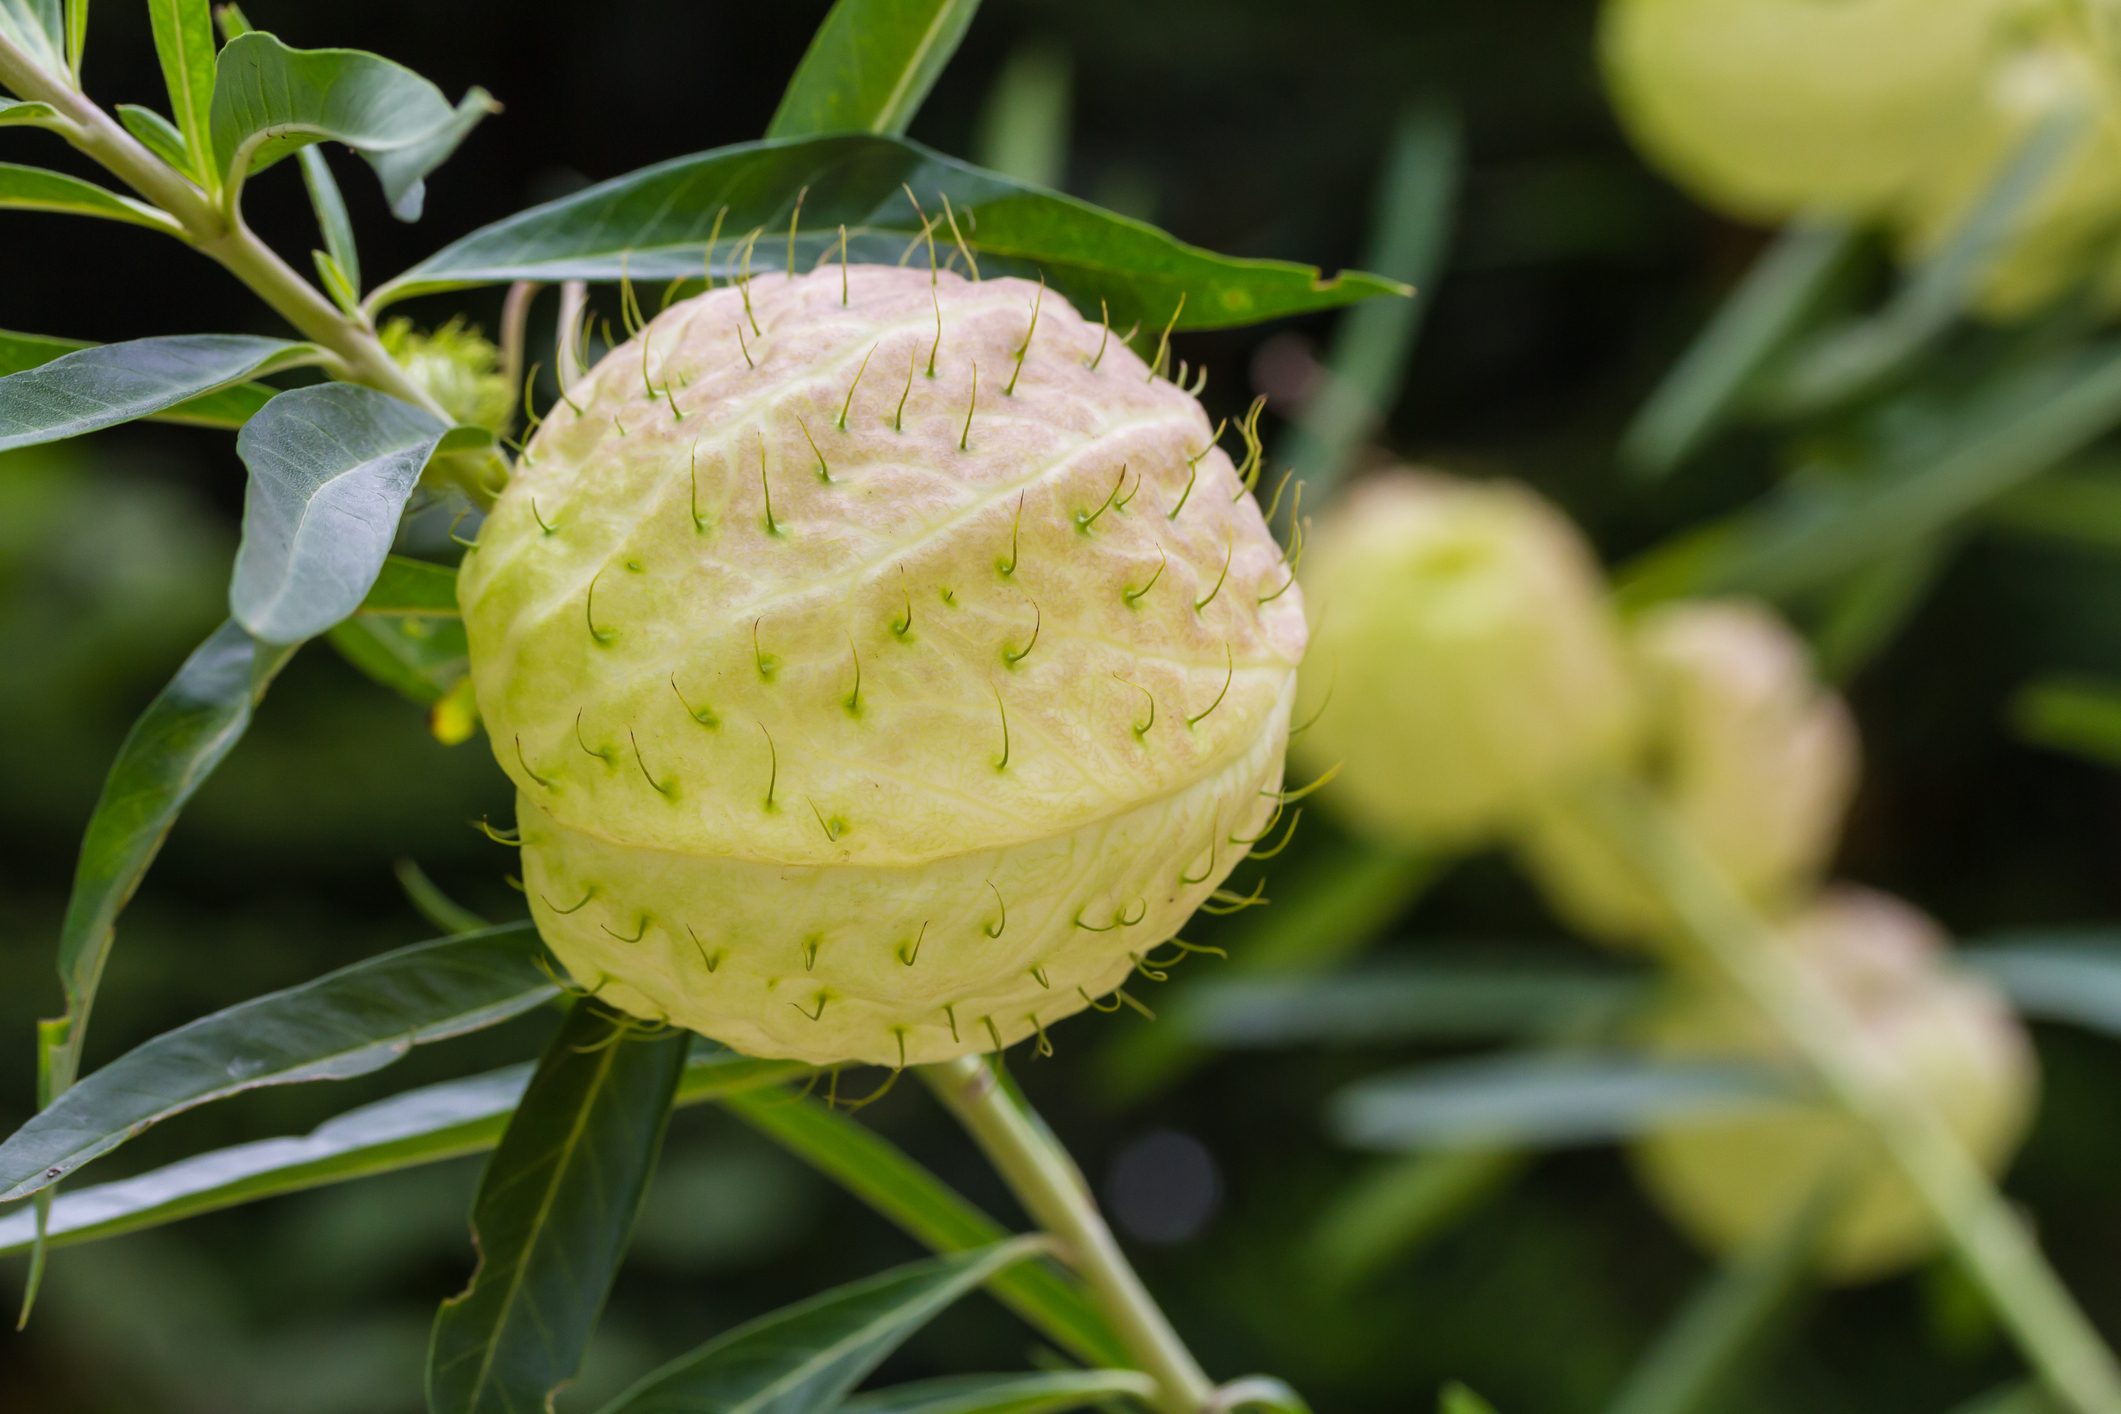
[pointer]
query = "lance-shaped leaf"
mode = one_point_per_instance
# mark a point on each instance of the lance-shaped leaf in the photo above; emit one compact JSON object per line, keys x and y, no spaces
{"x":808,"y":1356}
{"x":330,"y":469}
{"x":104,"y":385}
{"x":870,"y":66}
{"x":421,"y":1126}
{"x":184,"y":40}
{"x":1046,"y":1393}
{"x":2067,"y":975}
{"x":269,"y":100}
{"x":346,"y":1023}
{"x":15,"y":112}
{"x":881,"y":1175}
{"x":1545,"y":1100}
{"x":553,"y":1216}
{"x":38,"y":29}
{"x":228,"y":407}
{"x":419,"y":659}
{"x":34,"y":189}
{"x":409,"y":588}
{"x":657,"y":223}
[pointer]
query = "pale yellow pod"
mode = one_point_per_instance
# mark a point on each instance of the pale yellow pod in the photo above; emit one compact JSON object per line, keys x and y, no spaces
{"x":1754,"y":756}
{"x":1465,"y":662}
{"x":886,"y":669}
{"x":1770,"y":108}
{"x":1735,"y":1182}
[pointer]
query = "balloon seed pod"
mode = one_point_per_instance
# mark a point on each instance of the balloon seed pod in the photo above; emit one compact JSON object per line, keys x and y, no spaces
{"x":1734,"y":1182}
{"x":1755,"y":758}
{"x":1466,"y":663}
{"x":888,"y":663}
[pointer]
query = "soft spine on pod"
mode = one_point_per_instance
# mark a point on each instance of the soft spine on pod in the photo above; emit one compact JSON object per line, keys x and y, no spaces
{"x":888,"y":664}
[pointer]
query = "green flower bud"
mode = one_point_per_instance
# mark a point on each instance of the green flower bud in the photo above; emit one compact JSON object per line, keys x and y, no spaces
{"x":1734,"y":1182}
{"x":457,"y":367}
{"x":1467,"y":661}
{"x":1771,"y":108}
{"x":886,"y":668}
{"x":1756,"y":759}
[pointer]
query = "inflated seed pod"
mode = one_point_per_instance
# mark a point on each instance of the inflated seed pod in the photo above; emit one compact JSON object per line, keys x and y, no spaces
{"x":1770,"y":108}
{"x":887,"y":664}
{"x":1465,"y":663}
{"x":1734,"y":1182}
{"x":1755,"y":757}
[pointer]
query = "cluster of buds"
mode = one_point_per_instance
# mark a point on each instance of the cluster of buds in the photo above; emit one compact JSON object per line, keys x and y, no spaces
{"x":1903,"y":112}
{"x":1470,"y":668}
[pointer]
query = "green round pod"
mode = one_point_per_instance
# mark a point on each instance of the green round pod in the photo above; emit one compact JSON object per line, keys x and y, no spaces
{"x":887,"y":664}
{"x":1753,"y":755}
{"x":1466,"y":662}
{"x":1772,"y":108}
{"x":1734,"y":1182}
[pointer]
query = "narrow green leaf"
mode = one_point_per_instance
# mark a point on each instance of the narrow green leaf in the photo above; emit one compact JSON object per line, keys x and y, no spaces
{"x":269,"y":100}
{"x":1752,"y":324}
{"x":655,"y":224}
{"x":349,"y":1022}
{"x":15,"y":112}
{"x":2076,"y":715}
{"x":38,"y":28}
{"x":2069,"y":975}
{"x":427,"y":1125}
{"x":34,"y":189}
{"x":554,"y":1213}
{"x":882,"y":1176}
{"x":432,"y":904}
{"x":1724,"y":1325}
{"x":1367,"y":363}
{"x":1868,"y":609}
{"x":227,"y":408}
{"x":2025,"y":1397}
{"x":419,"y":659}
{"x":1445,"y":994}
{"x":157,"y":134}
{"x":184,"y":40}
{"x":76,"y":36}
{"x":1261,"y":1393}
{"x":1392,"y":1210}
{"x":103,"y":385}
{"x":412,"y":588}
{"x":1006,"y":1394}
{"x":2079,"y":507}
{"x":1023,"y":126}
{"x":330,"y":468}
{"x":870,"y":65}
{"x":1457,"y":1399}
{"x":807,"y":1357}
{"x":329,"y":203}
{"x":1542,"y":1100}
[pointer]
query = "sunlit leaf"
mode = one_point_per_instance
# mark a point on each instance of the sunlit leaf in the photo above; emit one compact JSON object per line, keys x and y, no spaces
{"x":1542,"y":1100}
{"x":422,"y":1126}
{"x":14,"y":111}
{"x":1005,"y":1394}
{"x":349,"y":1022}
{"x":882,"y":1176}
{"x":555,"y":1210}
{"x":330,"y":468}
{"x":103,"y":385}
{"x":184,"y":41}
{"x":656,"y":223}
{"x":34,"y":189}
{"x":807,"y":1357}
{"x":870,"y":65}
{"x":270,"y":100}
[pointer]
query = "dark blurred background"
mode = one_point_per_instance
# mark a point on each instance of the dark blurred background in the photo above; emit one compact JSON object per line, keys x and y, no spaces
{"x":1573,"y":277}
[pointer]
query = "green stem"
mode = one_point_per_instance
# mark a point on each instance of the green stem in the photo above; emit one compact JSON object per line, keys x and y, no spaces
{"x":1053,"y":1192}
{"x":1994,"y":1246}
{"x":219,"y":234}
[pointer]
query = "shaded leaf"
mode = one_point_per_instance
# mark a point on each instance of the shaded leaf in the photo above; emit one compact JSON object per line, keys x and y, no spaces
{"x":34,"y":189}
{"x":1005,"y":1394}
{"x":103,"y":385}
{"x":346,"y":1023}
{"x":412,"y":588}
{"x":420,"y":659}
{"x":228,"y":407}
{"x":655,"y":224}
{"x":2065,"y":975}
{"x":2076,"y":715}
{"x":270,"y":100}
{"x":184,"y":41}
{"x":870,"y":65}
{"x":806,"y":1357}
{"x":330,"y":468}
{"x":1023,"y":127}
{"x":555,"y":1210}
{"x":333,"y":222}
{"x":1542,"y":1100}
{"x":1457,"y":1399}
{"x":1391,"y":1211}
{"x":157,"y":134}
{"x":421,"y":1126}
{"x":882,"y":1176}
